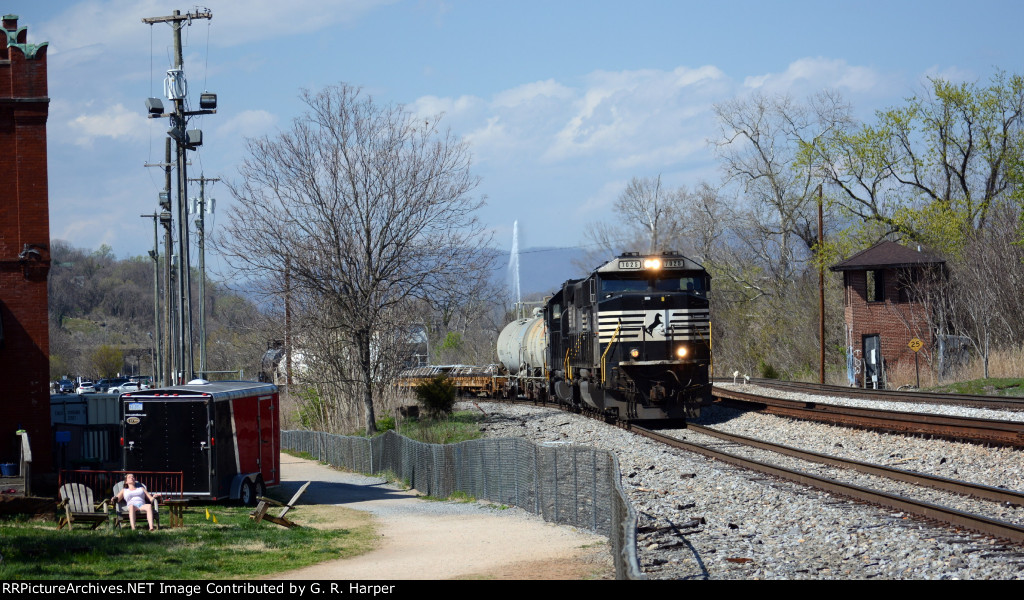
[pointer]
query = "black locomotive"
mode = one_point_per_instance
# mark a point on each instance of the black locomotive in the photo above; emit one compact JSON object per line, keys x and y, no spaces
{"x":632,"y":339}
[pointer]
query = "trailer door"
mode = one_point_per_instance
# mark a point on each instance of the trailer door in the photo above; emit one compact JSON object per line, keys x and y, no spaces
{"x":169,"y":435}
{"x":269,"y":456}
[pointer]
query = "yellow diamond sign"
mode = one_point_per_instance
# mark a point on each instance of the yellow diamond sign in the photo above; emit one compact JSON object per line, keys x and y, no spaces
{"x":916,"y":344}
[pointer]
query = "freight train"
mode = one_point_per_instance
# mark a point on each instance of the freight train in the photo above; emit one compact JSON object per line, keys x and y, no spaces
{"x":632,"y":339}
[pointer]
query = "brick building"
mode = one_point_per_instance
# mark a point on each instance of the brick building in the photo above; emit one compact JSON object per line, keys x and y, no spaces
{"x":24,"y":248}
{"x":880,"y":311}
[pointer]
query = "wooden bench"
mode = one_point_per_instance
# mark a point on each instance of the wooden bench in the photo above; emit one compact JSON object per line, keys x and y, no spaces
{"x":264,"y":504}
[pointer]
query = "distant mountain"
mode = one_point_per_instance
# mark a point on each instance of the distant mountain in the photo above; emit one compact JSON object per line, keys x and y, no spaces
{"x":544,"y":269}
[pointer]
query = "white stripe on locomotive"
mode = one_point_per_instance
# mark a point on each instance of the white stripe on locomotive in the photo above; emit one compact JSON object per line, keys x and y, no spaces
{"x":685,"y":324}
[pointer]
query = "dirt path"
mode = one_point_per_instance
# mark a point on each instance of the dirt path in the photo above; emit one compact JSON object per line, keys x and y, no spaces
{"x":443,"y":540}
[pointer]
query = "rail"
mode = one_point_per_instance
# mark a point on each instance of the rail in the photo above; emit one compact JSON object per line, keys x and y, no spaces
{"x":979,"y":523}
{"x":909,"y":396}
{"x":991,"y":431}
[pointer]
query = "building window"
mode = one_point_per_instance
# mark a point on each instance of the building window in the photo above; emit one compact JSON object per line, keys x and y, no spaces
{"x":876,"y":286}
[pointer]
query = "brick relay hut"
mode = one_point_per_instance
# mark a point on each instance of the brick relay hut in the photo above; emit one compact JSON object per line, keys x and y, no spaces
{"x":880,"y":312}
{"x":24,"y":247}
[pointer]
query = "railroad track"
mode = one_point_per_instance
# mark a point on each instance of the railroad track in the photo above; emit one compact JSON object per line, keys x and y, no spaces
{"x":990,"y":431}
{"x":912,"y":396}
{"x":934,"y":512}
{"x":950,"y":516}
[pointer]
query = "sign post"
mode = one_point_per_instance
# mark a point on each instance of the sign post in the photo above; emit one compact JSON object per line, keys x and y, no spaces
{"x":916,"y":345}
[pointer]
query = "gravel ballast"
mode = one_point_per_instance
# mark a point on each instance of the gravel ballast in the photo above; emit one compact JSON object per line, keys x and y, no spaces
{"x":703,"y":519}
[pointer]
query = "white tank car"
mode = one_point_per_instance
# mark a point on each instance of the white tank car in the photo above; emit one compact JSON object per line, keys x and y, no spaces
{"x":522,"y":346}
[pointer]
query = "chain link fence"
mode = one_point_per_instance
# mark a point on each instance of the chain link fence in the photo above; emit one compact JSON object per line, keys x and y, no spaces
{"x":565,"y":484}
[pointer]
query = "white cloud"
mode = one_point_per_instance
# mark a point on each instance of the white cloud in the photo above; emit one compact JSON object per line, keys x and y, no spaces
{"x":661,"y":156}
{"x":116,"y":122}
{"x":492,"y":135}
{"x":950,"y":74}
{"x":530,"y":92}
{"x":431,"y":106}
{"x":602,"y":200}
{"x":644,"y":119}
{"x":248,"y":123}
{"x":628,"y":112}
{"x":811,"y":74}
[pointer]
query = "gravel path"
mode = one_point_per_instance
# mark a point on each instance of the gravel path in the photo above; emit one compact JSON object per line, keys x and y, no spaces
{"x":702,"y":519}
{"x":423,"y":539}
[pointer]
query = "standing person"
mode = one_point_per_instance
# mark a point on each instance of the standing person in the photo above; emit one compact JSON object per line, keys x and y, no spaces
{"x":137,"y":498}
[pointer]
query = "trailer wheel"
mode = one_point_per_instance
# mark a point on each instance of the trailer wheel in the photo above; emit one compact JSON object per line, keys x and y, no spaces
{"x":261,"y":488}
{"x":247,"y":496}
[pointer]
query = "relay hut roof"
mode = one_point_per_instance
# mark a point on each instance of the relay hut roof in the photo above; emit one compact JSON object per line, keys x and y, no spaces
{"x":887,"y":255}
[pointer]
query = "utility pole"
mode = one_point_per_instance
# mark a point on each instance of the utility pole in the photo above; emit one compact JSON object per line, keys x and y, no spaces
{"x":167,"y":350}
{"x":821,"y":291}
{"x":201,"y":232}
{"x":170,"y":364}
{"x":155,"y":255}
{"x":170,"y":348}
{"x":175,"y":87}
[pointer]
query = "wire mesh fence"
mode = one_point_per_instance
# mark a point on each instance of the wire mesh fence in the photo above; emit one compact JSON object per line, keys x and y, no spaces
{"x":563,"y":483}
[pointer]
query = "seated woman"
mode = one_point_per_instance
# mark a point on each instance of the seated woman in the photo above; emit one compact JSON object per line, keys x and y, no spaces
{"x":137,"y":499}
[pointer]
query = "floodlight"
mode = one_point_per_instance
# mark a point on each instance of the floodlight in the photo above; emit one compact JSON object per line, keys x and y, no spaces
{"x":154,"y":106}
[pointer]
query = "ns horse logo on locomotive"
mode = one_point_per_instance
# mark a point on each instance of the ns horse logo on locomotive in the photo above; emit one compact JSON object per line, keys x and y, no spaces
{"x":633,"y":339}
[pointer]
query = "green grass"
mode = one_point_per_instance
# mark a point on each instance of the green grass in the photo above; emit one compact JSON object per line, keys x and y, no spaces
{"x":984,"y":387}
{"x":459,"y":427}
{"x":457,"y":496}
{"x":234,"y":547}
{"x":83,"y":326}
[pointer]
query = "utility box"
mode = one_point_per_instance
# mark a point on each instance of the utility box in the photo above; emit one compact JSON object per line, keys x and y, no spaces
{"x":224,"y":436}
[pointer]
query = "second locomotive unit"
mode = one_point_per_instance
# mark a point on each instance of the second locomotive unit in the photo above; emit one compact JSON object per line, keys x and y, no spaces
{"x":633,"y":339}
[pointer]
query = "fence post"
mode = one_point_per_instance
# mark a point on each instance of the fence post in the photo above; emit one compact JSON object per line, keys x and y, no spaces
{"x":593,"y":479}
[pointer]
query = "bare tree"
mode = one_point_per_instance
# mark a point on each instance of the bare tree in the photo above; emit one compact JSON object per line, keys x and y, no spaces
{"x":986,"y":302}
{"x":648,"y":214}
{"x":767,"y":147}
{"x":646,"y":203}
{"x":365,"y":207}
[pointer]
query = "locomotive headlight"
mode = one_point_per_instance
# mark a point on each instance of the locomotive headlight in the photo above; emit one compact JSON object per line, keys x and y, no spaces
{"x":681,"y":352}
{"x":652,"y":263}
{"x":634,"y":352}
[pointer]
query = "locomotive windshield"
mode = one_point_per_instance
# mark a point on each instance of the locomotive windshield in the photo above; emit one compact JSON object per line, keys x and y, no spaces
{"x":693,"y":284}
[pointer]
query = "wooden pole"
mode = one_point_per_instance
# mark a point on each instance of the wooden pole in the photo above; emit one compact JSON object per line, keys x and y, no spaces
{"x":821,"y":290}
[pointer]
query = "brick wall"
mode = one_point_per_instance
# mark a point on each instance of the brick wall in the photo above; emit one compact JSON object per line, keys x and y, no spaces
{"x":24,"y":220}
{"x":895,"y":322}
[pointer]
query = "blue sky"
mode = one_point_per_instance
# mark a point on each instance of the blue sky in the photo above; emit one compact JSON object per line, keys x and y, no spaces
{"x":562,"y":102}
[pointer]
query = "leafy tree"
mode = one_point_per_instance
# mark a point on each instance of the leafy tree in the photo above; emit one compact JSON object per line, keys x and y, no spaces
{"x":107,"y":360}
{"x":932,"y":170}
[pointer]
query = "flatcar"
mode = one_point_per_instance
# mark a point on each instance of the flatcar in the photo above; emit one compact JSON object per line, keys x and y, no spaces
{"x":469,"y":380}
{"x":632,"y":339}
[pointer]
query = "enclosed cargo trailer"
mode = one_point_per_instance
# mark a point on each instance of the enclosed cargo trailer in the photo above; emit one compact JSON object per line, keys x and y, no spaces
{"x":224,"y":437}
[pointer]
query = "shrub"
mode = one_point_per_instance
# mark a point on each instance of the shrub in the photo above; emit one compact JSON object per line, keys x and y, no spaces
{"x":437,"y":395}
{"x":386,"y":424}
{"x":767,"y":370}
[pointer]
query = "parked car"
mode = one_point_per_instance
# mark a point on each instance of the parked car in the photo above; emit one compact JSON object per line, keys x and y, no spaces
{"x":66,"y":386}
{"x":103,"y":385}
{"x":128,"y":386}
{"x":85,"y":387}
